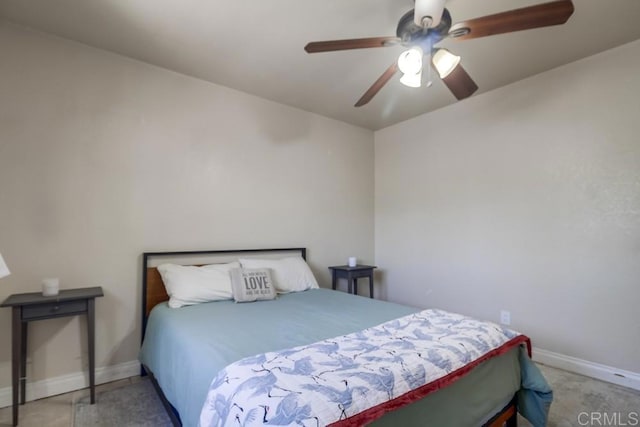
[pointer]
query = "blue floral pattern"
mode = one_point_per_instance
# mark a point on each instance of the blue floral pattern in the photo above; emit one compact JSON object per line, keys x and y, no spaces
{"x":325,"y":382}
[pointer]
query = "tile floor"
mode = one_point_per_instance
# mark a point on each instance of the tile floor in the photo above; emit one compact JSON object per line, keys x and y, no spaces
{"x":55,"y":411}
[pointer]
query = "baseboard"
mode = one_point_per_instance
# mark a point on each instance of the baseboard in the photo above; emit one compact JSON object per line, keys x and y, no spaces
{"x":589,"y":369}
{"x":76,"y":381}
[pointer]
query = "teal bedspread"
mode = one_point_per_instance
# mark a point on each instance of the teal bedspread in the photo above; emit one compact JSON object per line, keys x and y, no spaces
{"x":185,"y":348}
{"x":535,"y":395}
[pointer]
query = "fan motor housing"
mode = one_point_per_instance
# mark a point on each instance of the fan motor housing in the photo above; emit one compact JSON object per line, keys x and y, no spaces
{"x":410,"y":33}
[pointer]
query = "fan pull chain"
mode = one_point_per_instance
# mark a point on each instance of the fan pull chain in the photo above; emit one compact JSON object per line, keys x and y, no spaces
{"x":429,"y":81}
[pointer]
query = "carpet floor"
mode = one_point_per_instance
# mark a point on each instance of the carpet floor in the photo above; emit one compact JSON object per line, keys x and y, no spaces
{"x":133,"y":405}
{"x":137,"y":404}
{"x":580,"y":401}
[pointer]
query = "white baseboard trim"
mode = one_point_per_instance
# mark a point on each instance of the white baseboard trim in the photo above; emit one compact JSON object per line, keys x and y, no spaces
{"x":589,"y":369}
{"x":71,"y":382}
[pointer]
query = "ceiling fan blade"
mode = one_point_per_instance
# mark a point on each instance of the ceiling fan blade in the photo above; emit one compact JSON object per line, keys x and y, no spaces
{"x":378,"y":84}
{"x":333,"y":45}
{"x":460,"y":83}
{"x":541,"y":15}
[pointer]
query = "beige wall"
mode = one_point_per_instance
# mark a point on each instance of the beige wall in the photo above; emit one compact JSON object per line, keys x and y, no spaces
{"x":526,"y":198}
{"x":102,"y":158}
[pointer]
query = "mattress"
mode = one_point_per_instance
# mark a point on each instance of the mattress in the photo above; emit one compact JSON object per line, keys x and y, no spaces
{"x":185,"y":348}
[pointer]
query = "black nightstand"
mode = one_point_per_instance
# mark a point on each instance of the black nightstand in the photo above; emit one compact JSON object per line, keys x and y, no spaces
{"x":352,"y":274}
{"x":34,"y":306}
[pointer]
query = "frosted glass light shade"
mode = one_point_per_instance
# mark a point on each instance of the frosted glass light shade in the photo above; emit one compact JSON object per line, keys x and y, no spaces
{"x":444,"y":62}
{"x":4,"y":270}
{"x":410,"y":64}
{"x":410,"y":61}
{"x":412,"y":80}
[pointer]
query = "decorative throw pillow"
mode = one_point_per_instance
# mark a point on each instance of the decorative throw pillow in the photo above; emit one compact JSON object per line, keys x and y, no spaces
{"x":188,"y":285}
{"x":289,"y":274}
{"x":252,"y":284}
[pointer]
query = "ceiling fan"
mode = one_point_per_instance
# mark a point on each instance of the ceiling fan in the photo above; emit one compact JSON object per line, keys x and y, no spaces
{"x":429,"y":23}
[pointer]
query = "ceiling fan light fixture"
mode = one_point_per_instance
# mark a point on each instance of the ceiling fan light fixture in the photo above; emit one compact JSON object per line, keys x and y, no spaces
{"x":444,"y":62}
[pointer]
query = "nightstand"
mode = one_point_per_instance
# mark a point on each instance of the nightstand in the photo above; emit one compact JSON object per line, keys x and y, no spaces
{"x":352,"y":274}
{"x":35,"y":306}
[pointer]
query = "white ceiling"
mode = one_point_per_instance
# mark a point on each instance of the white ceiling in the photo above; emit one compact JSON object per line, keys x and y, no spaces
{"x":256,"y":46}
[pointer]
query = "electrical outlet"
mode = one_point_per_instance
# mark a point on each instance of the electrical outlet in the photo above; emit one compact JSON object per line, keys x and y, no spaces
{"x":505,"y":317}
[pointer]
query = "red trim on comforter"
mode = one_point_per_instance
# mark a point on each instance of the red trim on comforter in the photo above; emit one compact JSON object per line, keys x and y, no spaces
{"x":378,"y":411}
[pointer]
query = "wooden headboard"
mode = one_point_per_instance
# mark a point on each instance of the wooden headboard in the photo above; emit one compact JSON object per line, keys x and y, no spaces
{"x":153,"y":290}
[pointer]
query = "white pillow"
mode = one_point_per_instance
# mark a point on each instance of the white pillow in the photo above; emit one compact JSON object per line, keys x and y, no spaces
{"x":289,"y":274}
{"x":188,"y":285}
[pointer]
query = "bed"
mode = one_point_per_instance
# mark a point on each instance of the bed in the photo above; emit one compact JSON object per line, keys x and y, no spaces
{"x":183,"y":350}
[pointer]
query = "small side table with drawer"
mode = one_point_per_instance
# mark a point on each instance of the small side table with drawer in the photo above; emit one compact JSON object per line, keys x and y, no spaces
{"x":35,"y":306}
{"x":352,"y":274}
